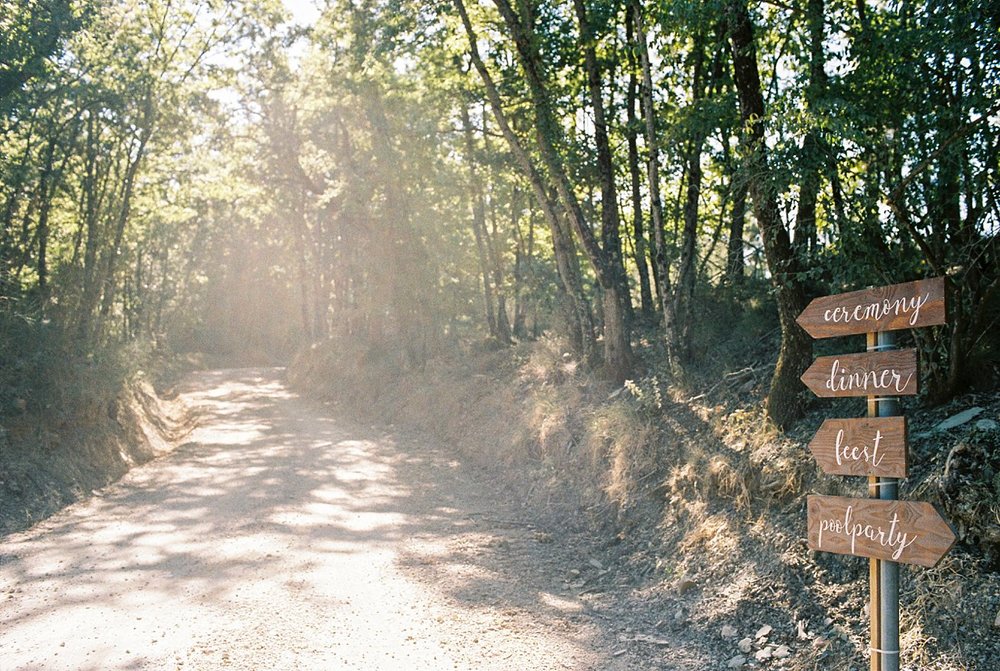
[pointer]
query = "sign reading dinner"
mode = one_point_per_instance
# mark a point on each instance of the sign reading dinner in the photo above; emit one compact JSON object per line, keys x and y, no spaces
{"x":898,"y":306}
{"x":891,"y":373}
{"x":909,"y":532}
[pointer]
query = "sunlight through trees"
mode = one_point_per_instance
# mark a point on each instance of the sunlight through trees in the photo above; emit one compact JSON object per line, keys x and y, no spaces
{"x":214,"y":176}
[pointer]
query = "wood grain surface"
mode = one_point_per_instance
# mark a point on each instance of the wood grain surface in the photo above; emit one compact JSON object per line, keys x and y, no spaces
{"x":863,"y":446}
{"x":890,"y":373}
{"x":909,"y":532}
{"x":888,"y":308}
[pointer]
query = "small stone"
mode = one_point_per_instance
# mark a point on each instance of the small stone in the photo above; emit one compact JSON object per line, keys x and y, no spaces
{"x":736,"y":662}
{"x":763,"y":631}
{"x":764,"y":654}
{"x":685,"y":585}
{"x":745,"y":645}
{"x":996,"y":622}
{"x":959,"y":419}
{"x":728,"y":631}
{"x":987,"y":425}
{"x":782,"y":651}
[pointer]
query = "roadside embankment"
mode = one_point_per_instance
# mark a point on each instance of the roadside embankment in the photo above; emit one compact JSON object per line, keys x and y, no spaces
{"x":699,"y":502}
{"x":52,"y":457}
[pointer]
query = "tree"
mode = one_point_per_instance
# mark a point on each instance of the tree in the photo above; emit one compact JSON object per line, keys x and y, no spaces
{"x":563,"y":247}
{"x":617,"y":356}
{"x":785,"y":401}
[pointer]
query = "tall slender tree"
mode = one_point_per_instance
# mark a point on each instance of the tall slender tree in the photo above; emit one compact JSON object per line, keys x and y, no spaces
{"x":785,"y":400}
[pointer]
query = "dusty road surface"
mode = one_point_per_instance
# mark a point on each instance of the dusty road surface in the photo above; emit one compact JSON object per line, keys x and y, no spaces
{"x":279,"y":538}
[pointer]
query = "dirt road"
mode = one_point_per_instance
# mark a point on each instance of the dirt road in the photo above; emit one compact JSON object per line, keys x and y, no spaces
{"x":279,"y":538}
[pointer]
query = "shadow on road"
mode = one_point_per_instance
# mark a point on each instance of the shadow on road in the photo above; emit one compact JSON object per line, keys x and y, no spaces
{"x":274,"y":506}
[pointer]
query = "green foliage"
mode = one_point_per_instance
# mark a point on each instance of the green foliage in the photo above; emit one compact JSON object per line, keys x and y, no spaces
{"x":43,"y":374}
{"x":31,"y":32}
{"x":205,"y":176}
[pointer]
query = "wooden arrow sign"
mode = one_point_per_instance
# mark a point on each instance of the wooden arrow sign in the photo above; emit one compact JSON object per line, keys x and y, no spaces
{"x":909,"y":532}
{"x":890,"y":373}
{"x":867,"y":446}
{"x":899,"y":306}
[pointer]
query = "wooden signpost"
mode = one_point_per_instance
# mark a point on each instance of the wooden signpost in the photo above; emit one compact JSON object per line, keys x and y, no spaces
{"x":891,"y":373}
{"x":900,"y":306}
{"x":865,"y":446}
{"x":908,"y":532}
{"x":887,"y":531}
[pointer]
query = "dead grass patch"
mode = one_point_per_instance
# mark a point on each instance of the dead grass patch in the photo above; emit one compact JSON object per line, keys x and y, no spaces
{"x":626,"y":448}
{"x":713,"y":540}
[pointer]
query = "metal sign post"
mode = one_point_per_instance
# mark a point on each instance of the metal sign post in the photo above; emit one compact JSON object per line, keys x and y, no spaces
{"x":883,"y":574}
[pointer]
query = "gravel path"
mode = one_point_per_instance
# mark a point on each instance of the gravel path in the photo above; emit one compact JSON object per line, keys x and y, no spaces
{"x":279,"y":538}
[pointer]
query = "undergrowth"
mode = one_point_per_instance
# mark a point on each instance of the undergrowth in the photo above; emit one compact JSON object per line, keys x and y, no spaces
{"x":70,"y":421}
{"x":43,"y":373}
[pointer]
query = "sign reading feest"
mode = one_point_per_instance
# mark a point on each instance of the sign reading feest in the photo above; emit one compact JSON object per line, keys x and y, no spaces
{"x":865,"y":446}
{"x":899,"y":306}
{"x":890,"y":373}
{"x":909,"y":532}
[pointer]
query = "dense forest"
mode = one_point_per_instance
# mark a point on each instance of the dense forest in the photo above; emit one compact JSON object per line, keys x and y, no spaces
{"x":213,"y":176}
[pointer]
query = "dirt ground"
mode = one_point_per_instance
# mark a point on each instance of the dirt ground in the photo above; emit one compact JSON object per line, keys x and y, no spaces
{"x":279,"y":535}
{"x":276,"y":537}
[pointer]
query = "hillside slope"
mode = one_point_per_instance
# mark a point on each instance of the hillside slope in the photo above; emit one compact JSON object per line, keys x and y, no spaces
{"x":699,"y":504}
{"x":51,"y":458}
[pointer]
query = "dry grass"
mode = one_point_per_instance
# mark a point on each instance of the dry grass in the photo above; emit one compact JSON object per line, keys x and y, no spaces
{"x":712,"y":542}
{"x":535,"y":407}
{"x":693,"y":486}
{"x":549,"y":362}
{"x":626,"y":448}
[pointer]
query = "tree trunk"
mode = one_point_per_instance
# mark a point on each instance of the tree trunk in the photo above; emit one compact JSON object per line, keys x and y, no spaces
{"x":686,"y":276}
{"x":479,"y":222}
{"x":47,"y":193}
{"x":496,"y":261}
{"x":632,"y":134}
{"x":90,"y":207}
{"x":786,"y":399}
{"x":525,"y":256}
{"x":661,"y":264}
{"x":323,"y":274}
{"x":579,"y":313}
{"x":805,"y":215}
{"x":610,"y":224}
{"x":811,"y":160}
{"x":735,"y":263}
{"x":7,"y":246}
{"x":134,"y":159}
{"x":301,"y":234}
{"x":617,"y":356}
